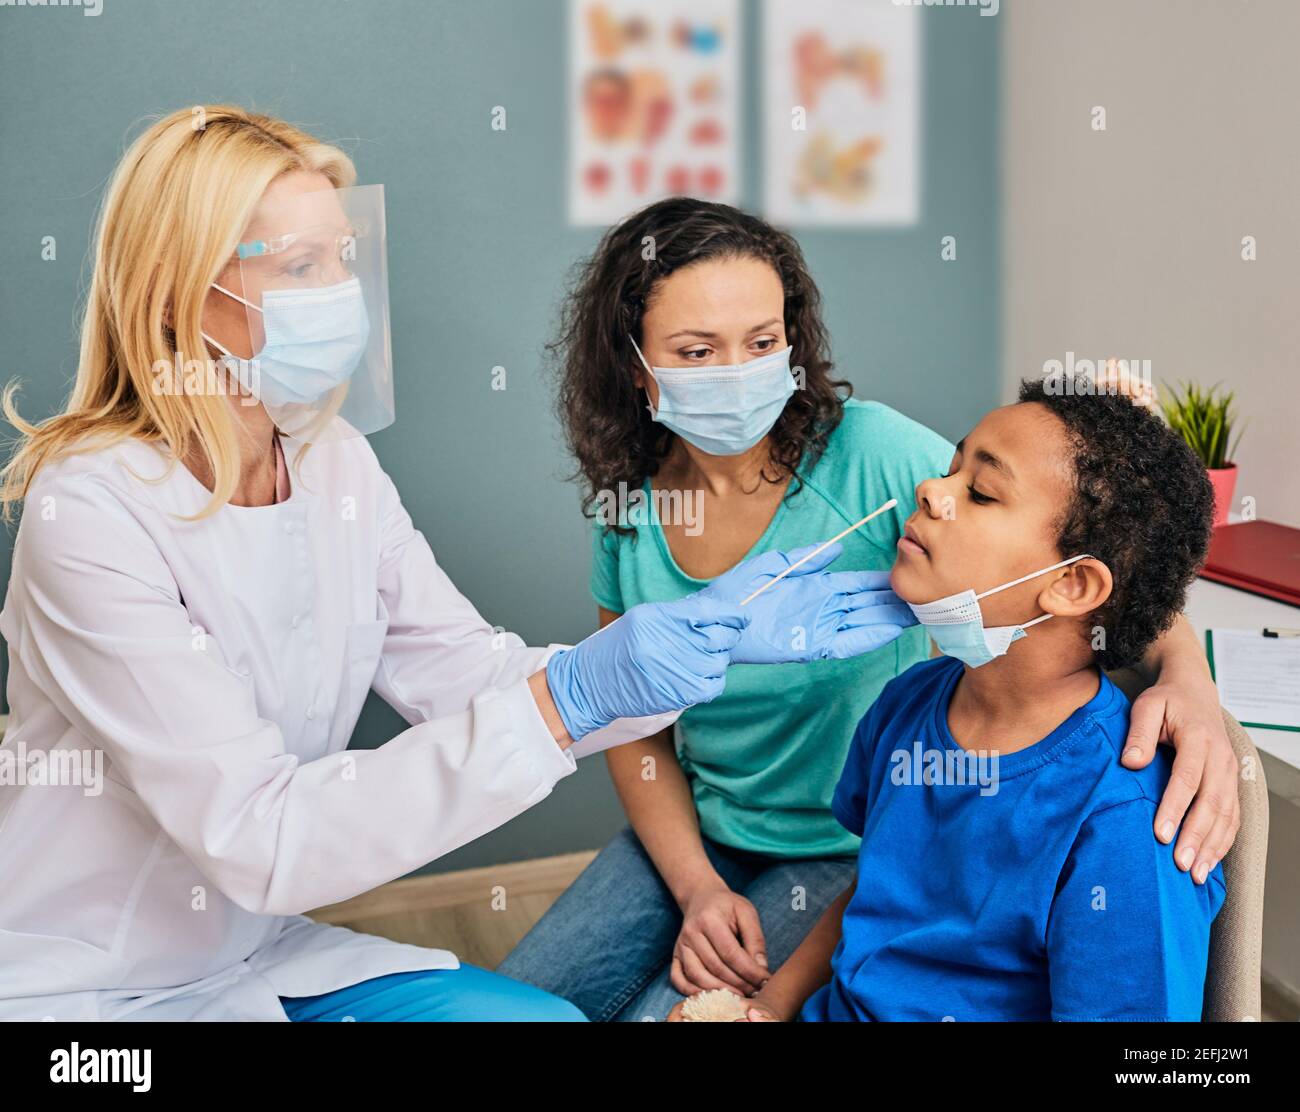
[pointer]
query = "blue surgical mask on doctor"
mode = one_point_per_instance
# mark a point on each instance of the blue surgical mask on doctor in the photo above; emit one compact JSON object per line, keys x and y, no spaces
{"x":722,"y":410}
{"x":315,"y":339}
{"x":957,"y":625}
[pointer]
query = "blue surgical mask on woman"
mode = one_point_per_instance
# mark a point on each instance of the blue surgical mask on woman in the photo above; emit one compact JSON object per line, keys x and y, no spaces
{"x":315,"y":339}
{"x":957,"y":624}
{"x":723,"y":410}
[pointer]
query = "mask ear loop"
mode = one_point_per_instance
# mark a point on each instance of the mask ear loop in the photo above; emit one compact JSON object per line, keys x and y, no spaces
{"x":639,"y":355}
{"x":649,"y":370}
{"x":1026,"y":579}
{"x":236,"y":296}
{"x":225,"y":351}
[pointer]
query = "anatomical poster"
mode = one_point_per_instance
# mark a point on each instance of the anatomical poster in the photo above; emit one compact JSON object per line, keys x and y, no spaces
{"x":841,"y":110}
{"x":654,"y":87}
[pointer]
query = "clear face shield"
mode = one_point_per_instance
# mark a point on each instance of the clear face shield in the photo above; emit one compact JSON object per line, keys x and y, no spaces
{"x":314,"y":289}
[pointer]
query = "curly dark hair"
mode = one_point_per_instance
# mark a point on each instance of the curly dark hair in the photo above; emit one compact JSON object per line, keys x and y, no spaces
{"x":1142,"y":504}
{"x":607,"y":425}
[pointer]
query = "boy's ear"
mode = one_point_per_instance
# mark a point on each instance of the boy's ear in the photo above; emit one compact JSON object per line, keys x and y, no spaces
{"x":1077,"y":590}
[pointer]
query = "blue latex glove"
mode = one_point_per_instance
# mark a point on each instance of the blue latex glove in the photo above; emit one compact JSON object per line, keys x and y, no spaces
{"x":811,"y":614}
{"x":659,"y":656}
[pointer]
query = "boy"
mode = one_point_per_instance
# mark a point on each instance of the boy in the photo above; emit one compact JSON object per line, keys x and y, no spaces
{"x":1007,"y":869}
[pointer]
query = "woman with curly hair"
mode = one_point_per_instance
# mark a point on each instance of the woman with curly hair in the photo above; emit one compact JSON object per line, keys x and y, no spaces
{"x":697,"y":397}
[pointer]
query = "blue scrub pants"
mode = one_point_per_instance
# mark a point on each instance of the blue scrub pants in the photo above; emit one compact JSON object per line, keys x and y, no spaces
{"x":463,"y":995}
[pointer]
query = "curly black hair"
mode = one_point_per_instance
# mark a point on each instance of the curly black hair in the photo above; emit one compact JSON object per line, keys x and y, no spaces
{"x":606,"y":423}
{"x":1142,"y":504}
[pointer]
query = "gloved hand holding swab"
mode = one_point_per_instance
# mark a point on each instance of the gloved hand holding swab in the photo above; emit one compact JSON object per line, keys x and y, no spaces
{"x":819,"y":549}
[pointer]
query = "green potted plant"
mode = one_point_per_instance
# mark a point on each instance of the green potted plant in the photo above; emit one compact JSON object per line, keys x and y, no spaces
{"x":1205,"y":419}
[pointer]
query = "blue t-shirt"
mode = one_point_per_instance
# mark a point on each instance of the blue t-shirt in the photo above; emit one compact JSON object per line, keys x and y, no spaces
{"x":1025,"y":887}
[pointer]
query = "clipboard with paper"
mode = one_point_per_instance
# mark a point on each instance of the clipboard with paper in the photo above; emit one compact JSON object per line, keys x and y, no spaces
{"x":1258,"y":677}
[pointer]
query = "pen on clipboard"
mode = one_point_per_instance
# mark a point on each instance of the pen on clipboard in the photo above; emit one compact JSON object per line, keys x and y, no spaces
{"x":1276,"y":632}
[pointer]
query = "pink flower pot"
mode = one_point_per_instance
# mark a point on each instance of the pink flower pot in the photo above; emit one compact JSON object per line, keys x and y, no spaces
{"x":1224,"y":481}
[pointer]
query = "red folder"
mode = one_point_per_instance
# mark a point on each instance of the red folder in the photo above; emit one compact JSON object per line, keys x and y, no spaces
{"x":1257,"y":556}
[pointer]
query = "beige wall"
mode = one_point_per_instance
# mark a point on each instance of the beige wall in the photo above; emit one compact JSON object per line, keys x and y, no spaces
{"x":1127,"y":242}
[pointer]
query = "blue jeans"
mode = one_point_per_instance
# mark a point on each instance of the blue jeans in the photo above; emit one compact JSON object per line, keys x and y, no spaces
{"x":607,"y":943}
{"x":467,"y":994}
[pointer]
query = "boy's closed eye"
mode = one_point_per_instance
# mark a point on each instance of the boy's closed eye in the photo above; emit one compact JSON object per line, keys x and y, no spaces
{"x":978,"y":496}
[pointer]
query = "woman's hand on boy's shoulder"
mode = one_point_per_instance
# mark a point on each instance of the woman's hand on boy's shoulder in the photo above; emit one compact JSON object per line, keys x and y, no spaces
{"x":1186,"y":714}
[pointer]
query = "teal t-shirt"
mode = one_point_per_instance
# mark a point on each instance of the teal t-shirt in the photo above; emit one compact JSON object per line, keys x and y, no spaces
{"x":763,"y":758}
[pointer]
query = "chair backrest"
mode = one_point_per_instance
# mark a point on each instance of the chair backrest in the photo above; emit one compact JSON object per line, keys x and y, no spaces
{"x":1232,"y":980}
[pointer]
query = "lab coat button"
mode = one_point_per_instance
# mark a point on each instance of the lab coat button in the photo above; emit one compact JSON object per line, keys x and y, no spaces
{"x":311,"y":712}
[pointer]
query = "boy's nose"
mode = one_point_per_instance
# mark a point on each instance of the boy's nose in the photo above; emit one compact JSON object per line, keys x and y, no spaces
{"x":930,"y":496}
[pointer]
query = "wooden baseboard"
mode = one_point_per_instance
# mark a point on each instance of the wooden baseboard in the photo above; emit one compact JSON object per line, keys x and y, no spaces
{"x":418,"y":894}
{"x":478,"y":914}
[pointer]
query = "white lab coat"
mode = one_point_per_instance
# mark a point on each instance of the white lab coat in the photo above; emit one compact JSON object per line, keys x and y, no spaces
{"x":220,"y":666}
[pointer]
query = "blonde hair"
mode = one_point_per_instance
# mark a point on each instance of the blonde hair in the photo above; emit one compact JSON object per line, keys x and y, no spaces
{"x":170,"y":221}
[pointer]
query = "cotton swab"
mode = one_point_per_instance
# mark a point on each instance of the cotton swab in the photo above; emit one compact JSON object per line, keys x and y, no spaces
{"x":820,"y":548}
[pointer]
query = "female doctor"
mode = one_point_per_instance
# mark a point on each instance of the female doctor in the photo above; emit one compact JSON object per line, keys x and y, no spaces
{"x":210,"y":574}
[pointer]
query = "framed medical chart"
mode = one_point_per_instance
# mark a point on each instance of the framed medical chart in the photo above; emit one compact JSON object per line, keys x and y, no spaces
{"x":841,"y":112}
{"x":653,"y":95}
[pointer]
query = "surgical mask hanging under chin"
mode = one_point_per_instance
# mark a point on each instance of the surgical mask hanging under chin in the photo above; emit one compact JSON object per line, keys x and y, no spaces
{"x":957,"y":624}
{"x":723,"y":410}
{"x":315,"y":339}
